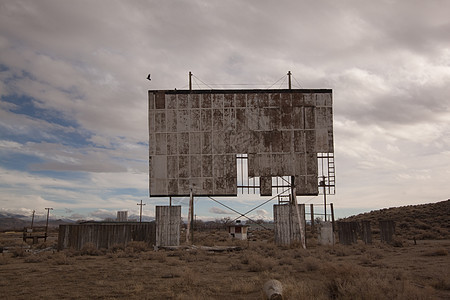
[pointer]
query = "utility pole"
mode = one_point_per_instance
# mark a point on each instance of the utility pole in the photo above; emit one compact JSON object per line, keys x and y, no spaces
{"x":46,"y":224}
{"x":32,"y":220}
{"x":190,"y":80}
{"x":140,"y":211}
{"x":289,"y":79}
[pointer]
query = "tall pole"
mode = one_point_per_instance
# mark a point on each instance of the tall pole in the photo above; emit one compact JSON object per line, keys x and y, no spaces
{"x":289,"y":79}
{"x":190,"y":80}
{"x":190,"y":222}
{"x":32,"y":220}
{"x":140,"y":211}
{"x":46,"y":224}
{"x":324,"y":198}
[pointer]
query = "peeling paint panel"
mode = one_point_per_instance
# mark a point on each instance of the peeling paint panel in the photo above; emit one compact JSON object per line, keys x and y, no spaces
{"x":207,"y":166}
{"x":241,"y":100}
{"x":298,"y":121}
{"x":195,"y":143}
{"x":195,"y":119}
{"x":312,"y":185}
{"x":310,"y":141}
{"x":206,"y":101}
{"x":171,"y":120}
{"x":183,"y":123}
{"x":183,"y":143}
{"x":299,"y":141}
{"x":218,"y":143}
{"x":310,"y":118}
{"x":172,"y":144}
{"x":194,"y":101}
{"x":183,"y":102}
{"x":276,"y":141}
{"x":265,"y":164}
{"x":286,"y":141}
{"x":152,"y":144}
{"x":196,"y":165}
{"x":160,"y":100}
{"x":217,"y":101}
{"x":183,"y":166}
{"x":286,"y":117}
{"x":299,"y":164}
{"x":206,"y":142}
{"x":217,"y":119}
{"x":265,"y":184}
{"x":173,"y":187}
{"x":172,"y":166}
{"x":202,"y":131}
{"x":229,"y":100}
{"x":171,"y":101}
{"x":311,"y":163}
{"x":160,"y":143}
{"x":184,"y":187}
{"x":218,"y":166}
{"x":160,"y":122}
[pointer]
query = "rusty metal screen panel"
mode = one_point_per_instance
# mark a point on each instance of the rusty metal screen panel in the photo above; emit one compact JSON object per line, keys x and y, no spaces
{"x":195,"y":136}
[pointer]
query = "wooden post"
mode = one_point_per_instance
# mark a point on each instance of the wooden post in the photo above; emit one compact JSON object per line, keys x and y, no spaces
{"x":289,"y":79}
{"x":140,"y":211}
{"x":190,"y":80}
{"x":324,"y":198}
{"x":32,"y":220}
{"x":311,"y":207}
{"x":46,"y":224}
{"x":300,"y":223}
{"x":332,"y":215}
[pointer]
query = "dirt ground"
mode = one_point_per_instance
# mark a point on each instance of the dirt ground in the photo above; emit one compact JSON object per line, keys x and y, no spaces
{"x":359,"y":271}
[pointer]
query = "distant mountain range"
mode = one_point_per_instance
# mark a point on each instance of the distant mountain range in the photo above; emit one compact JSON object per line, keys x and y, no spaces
{"x":9,"y":221}
{"x":424,"y":221}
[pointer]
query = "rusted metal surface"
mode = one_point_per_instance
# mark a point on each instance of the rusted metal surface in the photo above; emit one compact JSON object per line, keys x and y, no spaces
{"x":104,"y":235}
{"x":194,"y":137}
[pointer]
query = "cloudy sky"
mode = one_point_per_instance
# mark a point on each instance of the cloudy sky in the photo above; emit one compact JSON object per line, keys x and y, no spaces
{"x":73,"y":94}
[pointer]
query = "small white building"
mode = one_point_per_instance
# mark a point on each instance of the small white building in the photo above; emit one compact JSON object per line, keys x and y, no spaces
{"x":238,"y":230}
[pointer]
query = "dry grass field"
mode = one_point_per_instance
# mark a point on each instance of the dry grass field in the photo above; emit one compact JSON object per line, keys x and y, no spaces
{"x":359,"y":271}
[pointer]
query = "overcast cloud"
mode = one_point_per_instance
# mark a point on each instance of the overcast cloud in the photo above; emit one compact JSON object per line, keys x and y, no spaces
{"x":73,"y":93}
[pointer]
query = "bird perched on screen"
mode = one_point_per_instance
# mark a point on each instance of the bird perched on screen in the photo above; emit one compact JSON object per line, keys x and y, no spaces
{"x":148,"y":77}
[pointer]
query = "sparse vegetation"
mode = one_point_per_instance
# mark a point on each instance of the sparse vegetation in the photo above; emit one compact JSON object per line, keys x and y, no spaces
{"x":420,"y":222}
{"x":136,"y":271}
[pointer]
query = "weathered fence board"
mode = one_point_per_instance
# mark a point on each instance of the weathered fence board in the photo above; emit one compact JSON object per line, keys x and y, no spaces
{"x":348,"y":232}
{"x":104,"y":235}
{"x":168,"y":223}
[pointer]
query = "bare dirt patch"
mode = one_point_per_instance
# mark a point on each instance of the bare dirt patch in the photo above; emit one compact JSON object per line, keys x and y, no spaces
{"x":377,"y":271}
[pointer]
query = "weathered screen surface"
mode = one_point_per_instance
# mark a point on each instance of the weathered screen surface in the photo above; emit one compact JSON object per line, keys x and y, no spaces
{"x":194,"y":137}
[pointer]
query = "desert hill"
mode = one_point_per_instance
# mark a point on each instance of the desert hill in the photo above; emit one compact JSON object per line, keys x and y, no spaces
{"x":426,"y":221}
